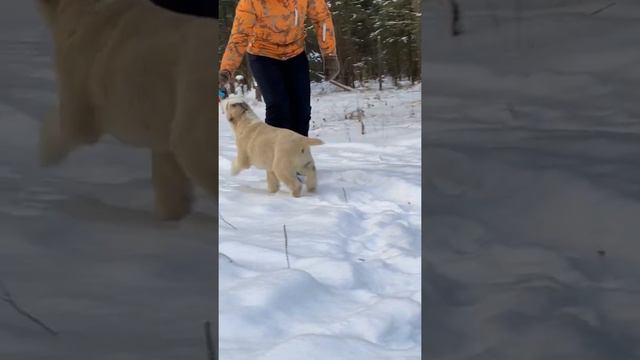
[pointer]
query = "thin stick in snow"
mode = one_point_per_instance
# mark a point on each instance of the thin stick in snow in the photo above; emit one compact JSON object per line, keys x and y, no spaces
{"x":224,"y":256}
{"x":8,"y":298}
{"x":209,"y":340}
{"x":228,"y":223}
{"x":455,"y":18}
{"x":357,"y":114}
{"x":334,"y":82}
{"x":346,"y":129}
{"x":512,"y":111}
{"x":344,"y":192}
{"x":518,"y":11}
{"x":286,"y":245}
{"x":602,"y":9}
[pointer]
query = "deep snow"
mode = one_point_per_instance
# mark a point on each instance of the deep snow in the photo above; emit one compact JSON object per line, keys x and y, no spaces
{"x":353,"y":289}
{"x":532,"y":187}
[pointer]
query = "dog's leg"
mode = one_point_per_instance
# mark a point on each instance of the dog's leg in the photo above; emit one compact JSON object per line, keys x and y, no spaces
{"x":200,"y":163}
{"x":52,"y":147}
{"x":194,"y":131}
{"x":290,"y":179}
{"x":273,"y":184}
{"x":241,"y":162}
{"x":77,"y":121}
{"x":312,"y":179}
{"x":66,"y":128}
{"x":173,"y":190}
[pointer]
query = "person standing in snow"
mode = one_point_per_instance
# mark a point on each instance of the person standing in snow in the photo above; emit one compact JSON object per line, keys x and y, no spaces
{"x":272,"y":33}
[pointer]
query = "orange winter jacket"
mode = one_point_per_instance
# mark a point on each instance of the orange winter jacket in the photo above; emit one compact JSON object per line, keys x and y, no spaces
{"x":275,"y":28}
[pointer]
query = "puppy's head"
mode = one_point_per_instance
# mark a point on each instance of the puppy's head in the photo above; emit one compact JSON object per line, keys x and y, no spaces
{"x":52,"y":10}
{"x":235,"y":108}
{"x":49,"y":3}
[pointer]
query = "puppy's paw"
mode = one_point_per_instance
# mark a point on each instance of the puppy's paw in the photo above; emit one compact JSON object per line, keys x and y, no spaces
{"x":273,"y":188}
{"x":296,"y":193}
{"x":235,"y":170}
{"x":51,"y":149}
{"x":172,"y":215}
{"x":173,"y":212}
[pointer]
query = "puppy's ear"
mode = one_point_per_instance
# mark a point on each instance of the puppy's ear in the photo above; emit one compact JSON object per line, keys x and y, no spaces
{"x":49,"y":7}
{"x":49,"y":3}
{"x":244,"y":106}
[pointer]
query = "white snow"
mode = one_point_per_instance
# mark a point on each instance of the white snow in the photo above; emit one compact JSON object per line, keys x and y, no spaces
{"x":353,"y":287}
{"x":532,"y":145}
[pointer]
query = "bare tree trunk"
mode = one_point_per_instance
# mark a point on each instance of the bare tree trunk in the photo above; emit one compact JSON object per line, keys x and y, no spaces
{"x":412,"y":60}
{"x":258,"y":94}
{"x":379,"y":64}
{"x":249,"y":79}
{"x":398,"y":74}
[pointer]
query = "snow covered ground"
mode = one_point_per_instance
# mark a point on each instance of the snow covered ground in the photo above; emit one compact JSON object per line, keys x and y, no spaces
{"x":353,"y":287}
{"x":79,"y":247}
{"x":532,"y":181}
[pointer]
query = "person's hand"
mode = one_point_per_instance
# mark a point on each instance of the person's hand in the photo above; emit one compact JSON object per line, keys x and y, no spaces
{"x":331,"y":67}
{"x":223,"y":78}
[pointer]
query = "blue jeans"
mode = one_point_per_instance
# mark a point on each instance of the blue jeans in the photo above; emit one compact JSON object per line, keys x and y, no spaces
{"x":286,"y":89}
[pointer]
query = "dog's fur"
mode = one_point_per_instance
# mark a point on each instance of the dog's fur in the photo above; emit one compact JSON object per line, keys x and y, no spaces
{"x":144,"y":75}
{"x":281,"y":152}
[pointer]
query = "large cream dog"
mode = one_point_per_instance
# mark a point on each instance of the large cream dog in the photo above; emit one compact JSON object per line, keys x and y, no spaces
{"x":281,"y":152}
{"x":144,"y":75}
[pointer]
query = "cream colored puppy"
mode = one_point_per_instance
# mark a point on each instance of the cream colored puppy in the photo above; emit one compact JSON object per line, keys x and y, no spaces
{"x":281,"y":152}
{"x":144,"y":75}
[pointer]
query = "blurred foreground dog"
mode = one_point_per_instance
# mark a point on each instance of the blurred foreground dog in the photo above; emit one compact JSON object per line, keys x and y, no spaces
{"x":281,"y":152}
{"x":146,"y":76}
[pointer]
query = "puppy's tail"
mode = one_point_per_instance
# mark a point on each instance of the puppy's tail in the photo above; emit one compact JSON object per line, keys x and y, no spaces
{"x":312,"y":141}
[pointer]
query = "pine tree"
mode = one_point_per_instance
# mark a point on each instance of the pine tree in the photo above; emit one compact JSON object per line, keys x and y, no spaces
{"x":358,"y":24}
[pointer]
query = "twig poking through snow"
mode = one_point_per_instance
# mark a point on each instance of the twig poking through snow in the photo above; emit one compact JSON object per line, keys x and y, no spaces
{"x":344,"y":192}
{"x":8,"y":298}
{"x":357,"y":114}
{"x":602,"y":9}
{"x":286,"y":245}
{"x":209,"y":339}
{"x":228,"y":223}
{"x":456,"y":29}
{"x":224,"y":256}
{"x":512,"y":111}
